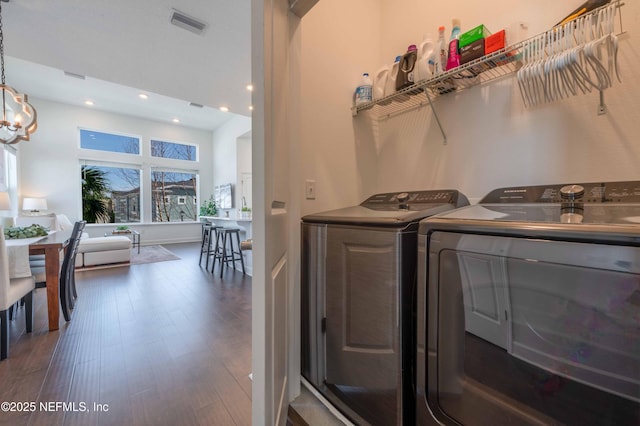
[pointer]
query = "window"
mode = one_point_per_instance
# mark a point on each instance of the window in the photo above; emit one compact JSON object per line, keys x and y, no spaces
{"x":175,"y":151}
{"x":9,"y":175}
{"x":121,"y":184}
{"x":110,"y":194}
{"x":171,"y":191}
{"x":99,"y":141}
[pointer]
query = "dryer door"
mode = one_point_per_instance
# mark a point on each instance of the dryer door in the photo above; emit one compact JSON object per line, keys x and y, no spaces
{"x":531,"y":331}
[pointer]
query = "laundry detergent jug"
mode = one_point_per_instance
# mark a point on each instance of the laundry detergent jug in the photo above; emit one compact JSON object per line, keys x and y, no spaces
{"x":407,"y":68}
{"x":380,"y":83}
{"x":425,"y":53}
{"x":390,"y":86}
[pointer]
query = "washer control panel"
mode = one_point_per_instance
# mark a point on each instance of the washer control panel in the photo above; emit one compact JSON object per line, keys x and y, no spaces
{"x":604,"y":192}
{"x":407,"y":199}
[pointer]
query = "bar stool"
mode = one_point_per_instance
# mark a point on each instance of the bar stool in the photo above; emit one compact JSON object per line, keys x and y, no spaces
{"x":209,"y":234}
{"x":229,"y":254}
{"x":218,"y":253}
{"x":206,"y":241}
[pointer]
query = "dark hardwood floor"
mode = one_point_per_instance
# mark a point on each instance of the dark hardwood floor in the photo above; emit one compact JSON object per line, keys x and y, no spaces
{"x":165,"y":343}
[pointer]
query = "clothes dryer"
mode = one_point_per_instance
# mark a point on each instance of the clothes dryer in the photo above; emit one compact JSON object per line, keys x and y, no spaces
{"x":529,"y":308}
{"x":358,"y":282}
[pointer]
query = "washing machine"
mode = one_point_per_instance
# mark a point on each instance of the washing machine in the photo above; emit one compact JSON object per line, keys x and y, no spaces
{"x":529,"y":308}
{"x":358,"y":282}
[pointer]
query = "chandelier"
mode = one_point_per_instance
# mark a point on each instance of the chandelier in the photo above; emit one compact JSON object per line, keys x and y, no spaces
{"x":18,"y":119}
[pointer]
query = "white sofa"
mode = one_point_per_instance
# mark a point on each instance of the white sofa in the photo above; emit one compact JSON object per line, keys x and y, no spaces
{"x":103,"y":250}
{"x":92,"y":251}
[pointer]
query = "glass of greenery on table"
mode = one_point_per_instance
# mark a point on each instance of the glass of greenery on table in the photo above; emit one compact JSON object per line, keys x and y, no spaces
{"x":20,"y":232}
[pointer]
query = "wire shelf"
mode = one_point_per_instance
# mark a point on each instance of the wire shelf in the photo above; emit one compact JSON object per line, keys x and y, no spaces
{"x":482,"y":70}
{"x":496,"y":65}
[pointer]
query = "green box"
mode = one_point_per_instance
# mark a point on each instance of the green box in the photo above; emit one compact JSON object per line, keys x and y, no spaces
{"x":474,"y":34}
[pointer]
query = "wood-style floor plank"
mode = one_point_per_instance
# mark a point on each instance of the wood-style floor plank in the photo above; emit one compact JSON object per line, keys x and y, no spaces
{"x":157,"y":344}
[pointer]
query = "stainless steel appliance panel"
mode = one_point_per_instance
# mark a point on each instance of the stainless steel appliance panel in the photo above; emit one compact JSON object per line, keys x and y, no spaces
{"x":362,"y":308}
{"x":314,"y":240}
{"x":358,"y":303}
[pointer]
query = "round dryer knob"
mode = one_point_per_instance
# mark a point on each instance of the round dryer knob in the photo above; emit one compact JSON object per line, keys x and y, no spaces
{"x":402,"y":197}
{"x":572,"y":191}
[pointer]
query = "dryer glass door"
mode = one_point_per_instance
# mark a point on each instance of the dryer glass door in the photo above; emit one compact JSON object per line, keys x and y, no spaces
{"x":533,"y":331}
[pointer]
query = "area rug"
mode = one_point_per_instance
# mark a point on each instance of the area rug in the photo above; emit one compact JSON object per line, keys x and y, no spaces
{"x":151,"y":254}
{"x":148,"y":254}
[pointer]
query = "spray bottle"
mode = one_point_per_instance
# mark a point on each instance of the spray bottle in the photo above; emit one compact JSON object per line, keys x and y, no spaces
{"x":453,"y":59}
{"x":440,"y":54}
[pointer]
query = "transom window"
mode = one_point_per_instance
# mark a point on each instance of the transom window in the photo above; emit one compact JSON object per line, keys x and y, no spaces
{"x":99,"y":141}
{"x":173,"y":150}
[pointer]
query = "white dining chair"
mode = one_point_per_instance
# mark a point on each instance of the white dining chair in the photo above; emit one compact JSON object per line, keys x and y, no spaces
{"x":11,"y":291}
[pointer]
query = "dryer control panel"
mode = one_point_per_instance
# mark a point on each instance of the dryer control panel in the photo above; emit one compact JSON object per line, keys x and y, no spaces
{"x":604,"y":192}
{"x":406,"y":199}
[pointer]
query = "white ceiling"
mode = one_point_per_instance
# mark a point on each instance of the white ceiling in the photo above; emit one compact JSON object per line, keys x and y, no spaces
{"x":128,"y":47}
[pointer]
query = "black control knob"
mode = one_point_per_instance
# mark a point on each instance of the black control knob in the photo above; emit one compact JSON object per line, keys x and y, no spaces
{"x":572,"y":192}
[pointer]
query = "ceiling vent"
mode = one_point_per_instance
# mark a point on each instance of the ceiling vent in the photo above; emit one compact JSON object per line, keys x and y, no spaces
{"x":186,"y":22}
{"x":193,"y":104}
{"x":74,"y":75}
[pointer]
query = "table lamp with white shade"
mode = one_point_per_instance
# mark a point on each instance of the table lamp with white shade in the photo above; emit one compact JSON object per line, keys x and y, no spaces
{"x":34,"y":205}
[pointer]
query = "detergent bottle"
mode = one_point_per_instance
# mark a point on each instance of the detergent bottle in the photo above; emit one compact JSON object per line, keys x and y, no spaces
{"x":440,"y":54}
{"x":425,"y":54}
{"x":407,"y":69}
{"x":380,"y":83}
{"x":364,"y":91}
{"x":453,"y":59}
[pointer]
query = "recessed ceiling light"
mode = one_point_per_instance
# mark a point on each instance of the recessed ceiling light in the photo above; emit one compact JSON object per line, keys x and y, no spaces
{"x":224,"y":109}
{"x":250,"y":87}
{"x":143,"y":96}
{"x":175,"y":120}
{"x":250,"y":107}
{"x":89,"y":103}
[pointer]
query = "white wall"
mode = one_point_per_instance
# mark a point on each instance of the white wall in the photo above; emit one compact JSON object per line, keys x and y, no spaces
{"x":340,"y":41}
{"x":225,"y":154}
{"x":493,"y":140}
{"x":49,"y":164}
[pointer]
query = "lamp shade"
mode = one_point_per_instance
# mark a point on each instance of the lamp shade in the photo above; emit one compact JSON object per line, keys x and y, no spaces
{"x":34,"y":204}
{"x":5,"y":201}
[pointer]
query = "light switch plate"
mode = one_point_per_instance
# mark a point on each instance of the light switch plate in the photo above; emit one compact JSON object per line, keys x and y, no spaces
{"x":310,"y":189}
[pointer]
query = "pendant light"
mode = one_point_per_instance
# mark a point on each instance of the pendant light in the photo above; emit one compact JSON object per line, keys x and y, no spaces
{"x":18,"y":118}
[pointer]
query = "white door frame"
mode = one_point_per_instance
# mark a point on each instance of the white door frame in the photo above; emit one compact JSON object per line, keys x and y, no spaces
{"x":276,"y":210}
